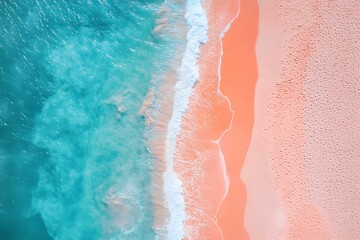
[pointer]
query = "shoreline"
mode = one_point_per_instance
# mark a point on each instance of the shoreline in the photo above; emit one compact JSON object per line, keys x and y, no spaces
{"x":170,"y":101}
{"x":198,"y":159}
{"x":158,"y":109}
{"x":187,"y":76}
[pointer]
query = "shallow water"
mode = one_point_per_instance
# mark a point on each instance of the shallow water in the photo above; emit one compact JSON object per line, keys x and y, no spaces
{"x":73,"y":76}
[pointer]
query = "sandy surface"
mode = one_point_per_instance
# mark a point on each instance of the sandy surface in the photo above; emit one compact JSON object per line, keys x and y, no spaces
{"x":198,"y":160}
{"x":264,"y":216}
{"x":332,"y":119}
{"x":305,"y":139}
{"x":239,"y":74}
{"x":285,"y":115}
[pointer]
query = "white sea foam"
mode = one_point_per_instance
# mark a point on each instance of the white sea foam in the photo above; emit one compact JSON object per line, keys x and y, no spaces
{"x":188,"y":75}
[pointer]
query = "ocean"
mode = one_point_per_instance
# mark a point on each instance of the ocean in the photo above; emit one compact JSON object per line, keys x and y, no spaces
{"x":73,"y":158}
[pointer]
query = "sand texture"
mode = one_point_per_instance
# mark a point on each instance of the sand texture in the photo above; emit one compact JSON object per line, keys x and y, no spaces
{"x":305,"y":141}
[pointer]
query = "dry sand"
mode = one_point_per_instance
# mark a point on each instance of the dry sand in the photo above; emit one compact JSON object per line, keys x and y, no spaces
{"x":302,"y":168}
{"x":264,"y":216}
{"x":301,"y":150}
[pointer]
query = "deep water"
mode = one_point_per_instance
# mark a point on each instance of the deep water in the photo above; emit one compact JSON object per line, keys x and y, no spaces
{"x":73,"y":76}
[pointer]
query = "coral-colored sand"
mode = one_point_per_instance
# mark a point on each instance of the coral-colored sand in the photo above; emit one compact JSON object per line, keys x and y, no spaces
{"x":264,"y":216}
{"x":238,"y":78}
{"x":301,"y":168}
{"x":307,"y":123}
{"x":198,"y":160}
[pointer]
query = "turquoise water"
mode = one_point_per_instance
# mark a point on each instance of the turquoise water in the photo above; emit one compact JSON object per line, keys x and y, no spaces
{"x":73,"y":76}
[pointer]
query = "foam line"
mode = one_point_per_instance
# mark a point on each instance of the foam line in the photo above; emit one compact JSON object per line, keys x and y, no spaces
{"x":188,"y":75}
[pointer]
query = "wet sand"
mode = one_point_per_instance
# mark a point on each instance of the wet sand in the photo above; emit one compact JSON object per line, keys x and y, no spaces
{"x":198,"y":160}
{"x":239,"y":74}
{"x":301,"y":180}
